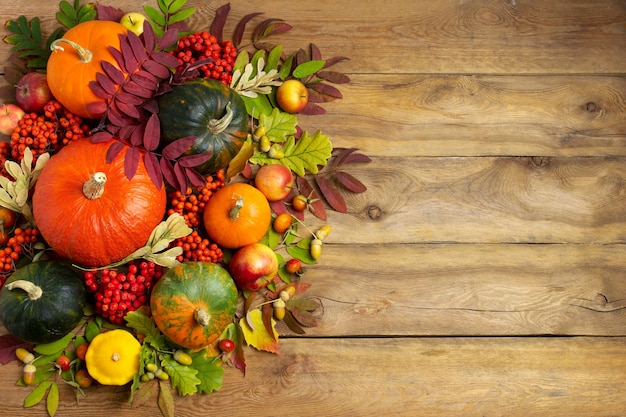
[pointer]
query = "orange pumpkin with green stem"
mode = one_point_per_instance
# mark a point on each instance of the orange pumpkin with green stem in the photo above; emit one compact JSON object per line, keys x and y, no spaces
{"x":75,"y":60}
{"x":88,"y":211}
{"x":237,"y":215}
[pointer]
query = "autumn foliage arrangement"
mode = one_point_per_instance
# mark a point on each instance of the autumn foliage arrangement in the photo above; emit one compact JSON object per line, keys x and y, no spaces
{"x":163,"y":176}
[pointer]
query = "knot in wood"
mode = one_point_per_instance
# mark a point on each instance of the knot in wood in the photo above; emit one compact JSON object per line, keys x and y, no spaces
{"x":539,"y":161}
{"x":374,"y":212}
{"x":591,"y":107}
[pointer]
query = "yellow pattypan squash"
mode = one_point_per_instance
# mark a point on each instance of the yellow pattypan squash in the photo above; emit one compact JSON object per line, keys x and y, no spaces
{"x":113,"y":357}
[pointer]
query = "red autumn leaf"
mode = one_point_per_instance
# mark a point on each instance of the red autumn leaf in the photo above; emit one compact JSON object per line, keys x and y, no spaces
{"x":316,"y":206}
{"x":127,"y":98}
{"x":99,"y":90}
{"x":341,"y":155}
{"x":267,"y":312}
{"x":196,"y":179}
{"x":113,"y":72}
{"x":145,"y":79}
{"x":269,"y":27}
{"x":316,"y":54}
{"x":113,"y":151}
{"x":139,"y":51}
{"x":131,"y":162}
{"x":312,"y":109}
{"x":241,"y":28}
{"x":128,"y":109}
{"x":219,"y":20}
{"x":164,"y":58}
{"x":169,"y":38}
{"x":153,"y":168}
{"x":292,"y":323}
{"x":357,"y":157}
{"x":109,"y":12}
{"x":181,"y":178}
{"x":127,"y":54}
{"x":333,"y":76}
{"x":331,"y":194}
{"x":334,"y":60}
{"x":8,"y":344}
{"x":149,"y":38}
{"x":101,"y":137}
{"x":167,"y":169}
{"x":157,"y":69}
{"x":119,"y":58}
{"x":136,"y":89}
{"x":136,"y":137}
{"x":350,"y":182}
{"x":152,"y":133}
{"x":191,"y":161}
{"x":326,"y":89}
{"x":178,"y":147}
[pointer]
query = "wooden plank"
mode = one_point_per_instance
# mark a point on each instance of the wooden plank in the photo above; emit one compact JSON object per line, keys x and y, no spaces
{"x":559,"y":377}
{"x":530,"y":37}
{"x":486,"y":200}
{"x":417,"y":115}
{"x":466,"y":289}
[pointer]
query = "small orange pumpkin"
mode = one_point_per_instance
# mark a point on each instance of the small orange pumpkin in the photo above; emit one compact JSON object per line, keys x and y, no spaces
{"x":88,"y":211}
{"x":75,"y":60}
{"x":237,"y":215}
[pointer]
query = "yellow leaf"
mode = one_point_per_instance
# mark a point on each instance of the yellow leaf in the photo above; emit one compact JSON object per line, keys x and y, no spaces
{"x":239,"y":161}
{"x":259,"y":338}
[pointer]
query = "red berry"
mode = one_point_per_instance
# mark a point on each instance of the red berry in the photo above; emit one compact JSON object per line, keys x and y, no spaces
{"x":226,"y":345}
{"x":63,"y":363}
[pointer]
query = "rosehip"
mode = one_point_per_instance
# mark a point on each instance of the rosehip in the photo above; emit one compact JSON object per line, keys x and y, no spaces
{"x":226,"y":345}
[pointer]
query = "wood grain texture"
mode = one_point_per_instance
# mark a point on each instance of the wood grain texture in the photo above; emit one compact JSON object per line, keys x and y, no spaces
{"x":460,"y":37}
{"x":483,"y":271}
{"x":558,"y":377}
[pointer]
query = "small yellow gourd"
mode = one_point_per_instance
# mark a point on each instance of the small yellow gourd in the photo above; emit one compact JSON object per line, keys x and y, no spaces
{"x":113,"y":357}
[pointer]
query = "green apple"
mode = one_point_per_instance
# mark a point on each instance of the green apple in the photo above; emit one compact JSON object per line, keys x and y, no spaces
{"x":133,"y":21}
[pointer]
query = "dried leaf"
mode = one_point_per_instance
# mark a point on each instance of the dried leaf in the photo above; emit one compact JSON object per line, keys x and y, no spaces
{"x":316,"y":206}
{"x":316,"y":54}
{"x":146,"y":393}
{"x":165,"y":400}
{"x":326,"y":89}
{"x":350,"y":182}
{"x":333,"y":76}
{"x":357,"y":157}
{"x":331,"y":194}
{"x":241,"y":27}
{"x":8,"y":344}
{"x":219,"y":20}
{"x":334,"y":60}
{"x":131,"y":162}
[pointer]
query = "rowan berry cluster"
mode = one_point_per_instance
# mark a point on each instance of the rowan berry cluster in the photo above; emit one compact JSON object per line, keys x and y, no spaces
{"x":46,"y":132}
{"x":202,"y":45}
{"x":198,"y":249}
{"x":117,"y":293}
{"x":20,"y":243}
{"x":191,"y":204}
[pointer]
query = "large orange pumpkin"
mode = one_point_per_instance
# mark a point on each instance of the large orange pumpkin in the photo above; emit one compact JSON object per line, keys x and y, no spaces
{"x":75,"y":60}
{"x":237,"y":215}
{"x":88,"y":211}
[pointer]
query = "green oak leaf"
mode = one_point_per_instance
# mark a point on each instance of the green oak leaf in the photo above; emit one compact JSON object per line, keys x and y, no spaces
{"x":210,"y":371}
{"x":184,"y":378}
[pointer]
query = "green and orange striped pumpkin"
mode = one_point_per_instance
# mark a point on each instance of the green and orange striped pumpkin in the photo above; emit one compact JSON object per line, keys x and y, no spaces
{"x":193,"y":303}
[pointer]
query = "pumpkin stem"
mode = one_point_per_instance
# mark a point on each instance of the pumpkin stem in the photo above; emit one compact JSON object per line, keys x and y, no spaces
{"x":202,"y":316}
{"x":233,"y":214}
{"x":85,"y":55}
{"x":94,"y":187}
{"x":33,"y":291}
{"x":115,"y":357}
{"x":217,"y":126}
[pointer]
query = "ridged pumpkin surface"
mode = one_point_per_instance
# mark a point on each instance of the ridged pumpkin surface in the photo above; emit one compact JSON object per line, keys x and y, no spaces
{"x":187,"y":291}
{"x":193,"y":108}
{"x":95,"y":232}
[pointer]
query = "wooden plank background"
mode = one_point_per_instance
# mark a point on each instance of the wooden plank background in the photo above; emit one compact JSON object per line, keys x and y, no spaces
{"x":482,"y":273}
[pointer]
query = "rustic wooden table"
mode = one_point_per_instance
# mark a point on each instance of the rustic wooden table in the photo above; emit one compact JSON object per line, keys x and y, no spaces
{"x":482,"y":273}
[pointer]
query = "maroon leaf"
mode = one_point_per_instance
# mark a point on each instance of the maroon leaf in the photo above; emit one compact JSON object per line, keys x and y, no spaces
{"x":331,"y":194}
{"x":241,"y":28}
{"x":196,"y":179}
{"x":136,"y":89}
{"x":128,"y":98}
{"x":151,"y":106}
{"x":178,"y":147}
{"x":101,"y":137}
{"x":156,"y":69}
{"x":139,"y":50}
{"x":126,"y":131}
{"x":217,"y":26}
{"x":8,"y":344}
{"x":116,"y":116}
{"x":153,"y":168}
{"x":267,"y":312}
{"x":291,"y":322}
{"x":96,"y":107}
{"x":181,"y":178}
{"x":136,"y":137}
{"x":145,"y":79}
{"x":316,"y":55}
{"x":191,"y":161}
{"x":98,"y":90}
{"x":128,"y":109}
{"x":119,"y":58}
{"x":113,"y":151}
{"x":113,"y":72}
{"x":350,"y":182}
{"x":170,"y":37}
{"x":334,"y":60}
{"x":333,"y":76}
{"x":165,"y":59}
{"x":167,"y":169}
{"x":130,"y":63}
{"x":152,"y":133}
{"x":300,"y":57}
{"x":131,"y":162}
{"x":326,"y":89}
{"x":357,"y":157}
{"x":269,"y":27}
{"x":312,"y":109}
{"x":341,"y":155}
{"x":149,"y":39}
{"x":109,"y":13}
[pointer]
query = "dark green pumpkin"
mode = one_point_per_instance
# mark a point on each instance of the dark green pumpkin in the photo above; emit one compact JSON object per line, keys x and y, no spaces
{"x":42,"y":302}
{"x":212,"y":112}
{"x":192,"y":303}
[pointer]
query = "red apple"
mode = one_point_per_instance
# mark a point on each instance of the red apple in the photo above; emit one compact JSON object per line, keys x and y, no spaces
{"x":274,"y":181}
{"x":253,"y":266}
{"x":33,"y":92}
{"x":10,"y":116}
{"x":292,"y":96}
